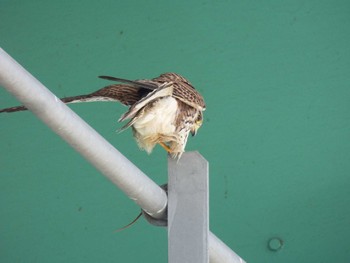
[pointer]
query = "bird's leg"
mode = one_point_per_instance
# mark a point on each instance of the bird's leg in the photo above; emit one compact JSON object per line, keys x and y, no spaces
{"x":166,"y":147}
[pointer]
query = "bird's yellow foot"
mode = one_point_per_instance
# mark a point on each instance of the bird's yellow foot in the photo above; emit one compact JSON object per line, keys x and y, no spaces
{"x":166,"y":147}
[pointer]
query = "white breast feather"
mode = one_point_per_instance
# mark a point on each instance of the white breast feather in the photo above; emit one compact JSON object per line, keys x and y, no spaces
{"x":159,"y":120}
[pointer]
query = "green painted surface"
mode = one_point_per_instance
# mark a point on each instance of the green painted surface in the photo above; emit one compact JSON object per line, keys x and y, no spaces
{"x":276,"y":78}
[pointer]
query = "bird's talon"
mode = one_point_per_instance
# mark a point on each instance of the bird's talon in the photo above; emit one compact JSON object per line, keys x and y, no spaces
{"x":166,"y":147}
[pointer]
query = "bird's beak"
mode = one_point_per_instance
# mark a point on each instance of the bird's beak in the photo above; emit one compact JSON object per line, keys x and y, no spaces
{"x":193,"y":132}
{"x":195,"y":128}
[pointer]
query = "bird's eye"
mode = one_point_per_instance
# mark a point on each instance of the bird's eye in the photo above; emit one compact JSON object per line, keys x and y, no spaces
{"x":199,"y":122}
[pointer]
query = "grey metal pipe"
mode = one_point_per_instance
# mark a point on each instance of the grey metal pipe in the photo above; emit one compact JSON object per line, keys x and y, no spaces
{"x":100,"y":153}
{"x":63,"y":121}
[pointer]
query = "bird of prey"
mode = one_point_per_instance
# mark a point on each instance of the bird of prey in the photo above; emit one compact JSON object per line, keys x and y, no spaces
{"x":163,"y":110}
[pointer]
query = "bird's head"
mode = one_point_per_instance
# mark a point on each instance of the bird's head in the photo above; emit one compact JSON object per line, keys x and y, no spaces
{"x":197,"y":124}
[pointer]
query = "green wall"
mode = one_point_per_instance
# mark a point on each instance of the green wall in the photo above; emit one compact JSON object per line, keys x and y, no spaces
{"x":276,"y":79}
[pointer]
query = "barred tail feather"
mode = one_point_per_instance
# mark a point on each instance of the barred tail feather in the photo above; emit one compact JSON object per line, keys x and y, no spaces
{"x":67,"y":100}
{"x":14,"y":109}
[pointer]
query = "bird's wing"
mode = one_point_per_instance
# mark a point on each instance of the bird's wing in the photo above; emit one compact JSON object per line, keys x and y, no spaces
{"x":125,"y":94}
{"x":128,"y":93}
{"x":183,"y":90}
{"x":146,"y":84}
{"x":164,"y":90}
{"x":191,"y":100}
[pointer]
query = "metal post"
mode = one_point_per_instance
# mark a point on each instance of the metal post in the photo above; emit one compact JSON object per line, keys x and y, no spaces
{"x":188,"y":220}
{"x":101,"y":154}
{"x":219,"y":252}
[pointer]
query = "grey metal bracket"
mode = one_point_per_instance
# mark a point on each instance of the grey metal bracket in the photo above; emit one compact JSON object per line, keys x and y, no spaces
{"x":162,"y":221}
{"x":188,"y":218}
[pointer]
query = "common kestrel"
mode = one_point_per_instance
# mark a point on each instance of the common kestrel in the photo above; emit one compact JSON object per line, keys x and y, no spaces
{"x":162,"y":110}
